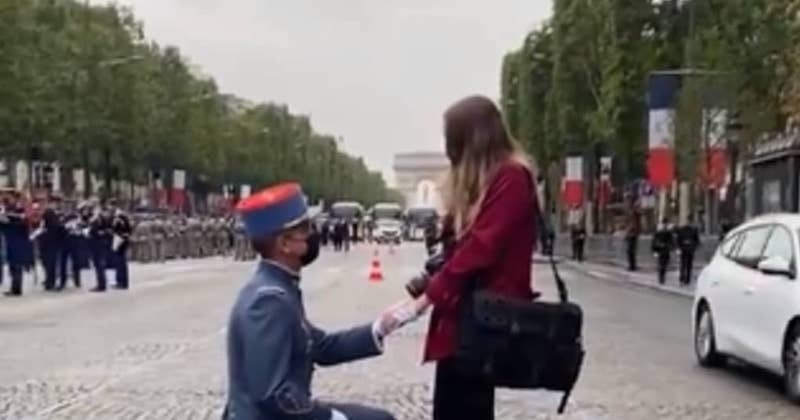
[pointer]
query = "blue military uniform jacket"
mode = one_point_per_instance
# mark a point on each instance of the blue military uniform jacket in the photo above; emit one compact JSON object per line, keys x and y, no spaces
{"x":272,"y":350}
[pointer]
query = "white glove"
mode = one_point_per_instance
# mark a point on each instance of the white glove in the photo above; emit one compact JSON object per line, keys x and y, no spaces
{"x":337,"y":415}
{"x":404,"y":315}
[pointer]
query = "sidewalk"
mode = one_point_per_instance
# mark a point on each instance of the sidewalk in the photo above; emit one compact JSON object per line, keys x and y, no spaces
{"x":638,"y":279}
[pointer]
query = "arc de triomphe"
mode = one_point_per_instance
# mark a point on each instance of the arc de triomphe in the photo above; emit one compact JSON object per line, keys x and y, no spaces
{"x":418,"y":176}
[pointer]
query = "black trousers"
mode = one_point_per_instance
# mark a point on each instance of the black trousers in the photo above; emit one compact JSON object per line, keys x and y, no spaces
{"x":631,"y":245}
{"x":687,"y":261}
{"x":577,"y":249}
{"x":70,"y":256}
{"x":663,"y":264}
{"x":460,"y":396}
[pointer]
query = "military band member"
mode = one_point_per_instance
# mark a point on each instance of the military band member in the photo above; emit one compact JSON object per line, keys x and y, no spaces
{"x":272,"y":346}
{"x":72,"y":253}
{"x":100,"y":239}
{"x":16,"y":232}
{"x":50,"y":237}
{"x":121,"y":228}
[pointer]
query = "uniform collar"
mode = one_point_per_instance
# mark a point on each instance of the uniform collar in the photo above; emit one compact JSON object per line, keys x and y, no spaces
{"x":280,"y":270}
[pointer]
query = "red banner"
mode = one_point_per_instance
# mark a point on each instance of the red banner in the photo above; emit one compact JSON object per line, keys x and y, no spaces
{"x":661,"y":167}
{"x":573,"y":193}
{"x":714,"y":168}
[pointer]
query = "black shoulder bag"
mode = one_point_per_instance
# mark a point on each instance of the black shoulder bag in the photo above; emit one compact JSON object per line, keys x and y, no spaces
{"x":523,"y":344}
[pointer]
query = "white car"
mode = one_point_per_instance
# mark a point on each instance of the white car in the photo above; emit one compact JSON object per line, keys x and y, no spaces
{"x":388,"y":231}
{"x":747,"y":301}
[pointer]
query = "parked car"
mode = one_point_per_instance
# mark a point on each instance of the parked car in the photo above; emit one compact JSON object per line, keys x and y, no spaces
{"x":747,"y":301}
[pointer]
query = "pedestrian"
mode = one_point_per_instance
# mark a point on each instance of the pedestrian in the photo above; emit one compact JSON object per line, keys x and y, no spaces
{"x":491,"y":203}
{"x":662,"y":246}
{"x":688,"y":237}
{"x":633,"y":230}
{"x":577,"y":234}
{"x":272,"y":346}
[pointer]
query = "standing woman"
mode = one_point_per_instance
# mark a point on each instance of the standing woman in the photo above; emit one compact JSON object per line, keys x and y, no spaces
{"x":490,"y":201}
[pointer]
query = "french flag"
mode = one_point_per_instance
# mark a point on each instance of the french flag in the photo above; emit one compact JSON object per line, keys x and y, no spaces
{"x":573,"y":181}
{"x":663,"y":89}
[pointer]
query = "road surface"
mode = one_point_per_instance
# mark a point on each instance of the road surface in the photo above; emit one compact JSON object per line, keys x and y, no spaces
{"x":157,"y":350}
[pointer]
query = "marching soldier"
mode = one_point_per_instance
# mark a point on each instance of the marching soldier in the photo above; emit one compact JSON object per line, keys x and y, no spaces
{"x":663,"y":244}
{"x":272,"y":346}
{"x":688,"y":240}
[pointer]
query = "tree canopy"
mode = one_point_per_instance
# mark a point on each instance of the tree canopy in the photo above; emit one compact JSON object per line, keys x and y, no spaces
{"x":578,"y":82}
{"x":80,"y":84}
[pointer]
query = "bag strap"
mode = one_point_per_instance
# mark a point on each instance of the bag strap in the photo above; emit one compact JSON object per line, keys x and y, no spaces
{"x":544,"y":238}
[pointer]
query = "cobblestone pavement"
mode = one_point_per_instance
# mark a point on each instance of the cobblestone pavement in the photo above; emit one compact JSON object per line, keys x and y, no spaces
{"x":157,"y":351}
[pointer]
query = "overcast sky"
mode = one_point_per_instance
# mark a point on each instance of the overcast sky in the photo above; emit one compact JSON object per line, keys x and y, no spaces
{"x":377,"y":72}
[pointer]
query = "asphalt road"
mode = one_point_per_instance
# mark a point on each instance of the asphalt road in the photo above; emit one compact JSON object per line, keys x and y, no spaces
{"x":157,"y":350}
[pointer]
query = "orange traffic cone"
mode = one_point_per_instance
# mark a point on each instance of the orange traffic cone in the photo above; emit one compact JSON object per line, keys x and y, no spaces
{"x":375,"y":272}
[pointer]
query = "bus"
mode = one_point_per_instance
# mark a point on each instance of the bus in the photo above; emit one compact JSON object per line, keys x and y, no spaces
{"x":350,"y":212}
{"x":392,"y":211}
{"x":417,"y":218}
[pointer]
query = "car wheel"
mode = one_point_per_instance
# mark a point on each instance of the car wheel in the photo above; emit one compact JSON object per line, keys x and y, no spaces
{"x":705,"y":346}
{"x":791,"y":364}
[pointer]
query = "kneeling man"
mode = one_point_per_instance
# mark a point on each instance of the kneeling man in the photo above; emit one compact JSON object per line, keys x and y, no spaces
{"x":272,"y":347}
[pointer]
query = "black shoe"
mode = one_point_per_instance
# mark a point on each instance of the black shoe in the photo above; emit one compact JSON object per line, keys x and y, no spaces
{"x":12,"y":294}
{"x":118,"y":287}
{"x":97,"y":290}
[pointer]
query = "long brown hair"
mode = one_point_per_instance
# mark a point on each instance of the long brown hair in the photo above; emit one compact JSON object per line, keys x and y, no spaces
{"x":477,"y":144}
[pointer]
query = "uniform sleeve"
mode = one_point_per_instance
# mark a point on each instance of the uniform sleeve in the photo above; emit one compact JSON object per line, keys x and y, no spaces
{"x":506,"y":206}
{"x":345,"y":346}
{"x":268,"y":333}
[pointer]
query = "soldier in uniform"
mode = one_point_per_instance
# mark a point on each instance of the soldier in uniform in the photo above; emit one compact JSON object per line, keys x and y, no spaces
{"x":121,"y":227}
{"x":72,"y":254}
{"x":272,"y":347}
{"x":688,"y":237}
{"x":51,"y":242}
{"x":19,"y":248}
{"x":100,"y":239}
{"x":663,"y":244}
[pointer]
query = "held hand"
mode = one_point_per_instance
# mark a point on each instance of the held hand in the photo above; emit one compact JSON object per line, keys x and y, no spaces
{"x":387,"y":322}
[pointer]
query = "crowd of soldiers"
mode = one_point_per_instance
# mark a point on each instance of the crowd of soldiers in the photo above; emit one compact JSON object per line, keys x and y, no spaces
{"x":157,"y":238}
{"x":65,"y":238}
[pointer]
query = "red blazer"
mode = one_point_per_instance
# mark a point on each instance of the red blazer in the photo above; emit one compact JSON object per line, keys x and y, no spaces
{"x":499,"y":245}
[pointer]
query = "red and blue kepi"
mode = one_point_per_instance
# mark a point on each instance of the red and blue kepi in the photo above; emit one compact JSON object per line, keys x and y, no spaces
{"x":272,"y":210}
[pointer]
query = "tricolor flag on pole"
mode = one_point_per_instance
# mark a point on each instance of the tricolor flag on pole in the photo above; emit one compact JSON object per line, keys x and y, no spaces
{"x":715,"y":165}
{"x":573,"y":181}
{"x":663,"y":91}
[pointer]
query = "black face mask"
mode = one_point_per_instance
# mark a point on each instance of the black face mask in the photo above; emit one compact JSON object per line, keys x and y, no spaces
{"x":312,"y":251}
